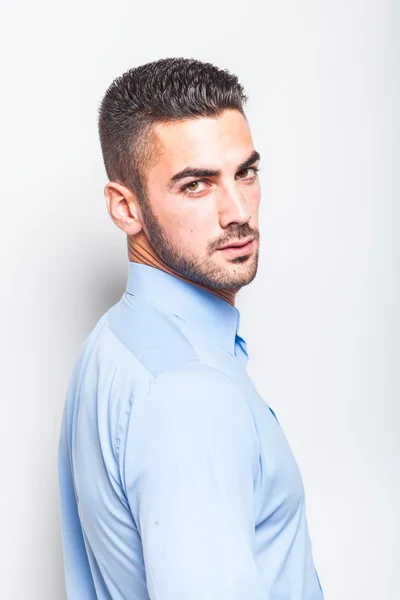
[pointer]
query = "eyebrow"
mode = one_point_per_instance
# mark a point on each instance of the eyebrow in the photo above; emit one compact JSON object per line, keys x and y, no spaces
{"x":199,"y":172}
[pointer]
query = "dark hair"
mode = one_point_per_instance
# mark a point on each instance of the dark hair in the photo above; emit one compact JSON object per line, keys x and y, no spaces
{"x":165,"y":90}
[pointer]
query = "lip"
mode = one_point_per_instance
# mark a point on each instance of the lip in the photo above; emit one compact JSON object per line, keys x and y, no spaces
{"x":238,"y":248}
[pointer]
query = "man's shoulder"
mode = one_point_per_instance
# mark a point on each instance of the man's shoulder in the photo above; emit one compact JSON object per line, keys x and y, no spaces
{"x":150,"y":337}
{"x":130,"y":344}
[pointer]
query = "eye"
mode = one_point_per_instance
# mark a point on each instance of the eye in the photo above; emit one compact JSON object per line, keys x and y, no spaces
{"x":194,"y":187}
{"x":249,"y":173}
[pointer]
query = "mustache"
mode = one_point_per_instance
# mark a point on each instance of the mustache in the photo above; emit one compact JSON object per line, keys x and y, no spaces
{"x":236,"y":234}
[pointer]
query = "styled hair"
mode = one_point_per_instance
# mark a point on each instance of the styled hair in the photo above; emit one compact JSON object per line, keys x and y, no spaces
{"x":162,"y":91}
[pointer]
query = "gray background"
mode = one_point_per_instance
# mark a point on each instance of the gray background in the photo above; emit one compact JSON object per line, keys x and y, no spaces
{"x":321,"y":320}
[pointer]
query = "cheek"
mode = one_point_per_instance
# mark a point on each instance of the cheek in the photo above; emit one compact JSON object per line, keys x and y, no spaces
{"x":255,"y":193}
{"x":194,"y":233}
{"x":189,"y":229}
{"x":194,"y":222}
{"x":254,"y":201}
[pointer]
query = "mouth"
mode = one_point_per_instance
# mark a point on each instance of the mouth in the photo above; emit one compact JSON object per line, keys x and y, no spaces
{"x":238,"y":248}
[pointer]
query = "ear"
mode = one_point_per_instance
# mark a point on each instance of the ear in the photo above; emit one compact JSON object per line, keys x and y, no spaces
{"x":123,"y":207}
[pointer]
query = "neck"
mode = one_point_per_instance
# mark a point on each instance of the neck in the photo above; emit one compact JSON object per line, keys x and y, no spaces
{"x":140,"y":251}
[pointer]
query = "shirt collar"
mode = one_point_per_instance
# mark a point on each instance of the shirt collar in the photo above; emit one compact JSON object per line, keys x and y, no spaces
{"x":189,"y":302}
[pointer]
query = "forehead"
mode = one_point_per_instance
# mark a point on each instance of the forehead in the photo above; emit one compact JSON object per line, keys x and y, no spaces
{"x":223,"y":141}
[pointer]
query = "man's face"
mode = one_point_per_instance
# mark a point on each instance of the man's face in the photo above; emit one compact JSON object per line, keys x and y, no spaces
{"x":201,"y":192}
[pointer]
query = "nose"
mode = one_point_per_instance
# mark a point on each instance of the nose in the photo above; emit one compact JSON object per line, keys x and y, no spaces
{"x":233,"y":207}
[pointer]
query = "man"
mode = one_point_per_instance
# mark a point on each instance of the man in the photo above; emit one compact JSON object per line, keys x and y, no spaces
{"x":176,"y":480}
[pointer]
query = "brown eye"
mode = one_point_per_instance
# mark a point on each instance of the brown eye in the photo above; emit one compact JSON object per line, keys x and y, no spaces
{"x":250,"y":174}
{"x":194,"y":188}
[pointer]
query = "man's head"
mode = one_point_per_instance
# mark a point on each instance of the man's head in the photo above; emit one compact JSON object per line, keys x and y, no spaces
{"x":183,"y":169}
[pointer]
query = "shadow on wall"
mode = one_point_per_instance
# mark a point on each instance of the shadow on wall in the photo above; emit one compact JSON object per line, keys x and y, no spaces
{"x":95,"y":284}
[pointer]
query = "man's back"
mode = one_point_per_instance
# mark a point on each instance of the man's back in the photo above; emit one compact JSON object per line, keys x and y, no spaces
{"x":182,"y":478}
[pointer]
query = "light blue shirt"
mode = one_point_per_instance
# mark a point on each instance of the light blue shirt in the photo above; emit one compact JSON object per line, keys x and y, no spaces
{"x":176,"y":479}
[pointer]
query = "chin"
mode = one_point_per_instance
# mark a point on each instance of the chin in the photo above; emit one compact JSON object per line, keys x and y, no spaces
{"x":236,"y":275}
{"x":239,"y":282}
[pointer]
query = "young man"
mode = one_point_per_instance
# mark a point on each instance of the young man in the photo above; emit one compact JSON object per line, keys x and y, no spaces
{"x":176,"y":480}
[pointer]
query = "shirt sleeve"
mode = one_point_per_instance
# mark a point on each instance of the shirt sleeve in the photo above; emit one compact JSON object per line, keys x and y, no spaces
{"x":191,"y":463}
{"x":78,"y":577}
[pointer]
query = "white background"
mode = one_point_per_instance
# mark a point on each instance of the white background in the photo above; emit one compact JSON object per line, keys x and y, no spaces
{"x":322,"y":318}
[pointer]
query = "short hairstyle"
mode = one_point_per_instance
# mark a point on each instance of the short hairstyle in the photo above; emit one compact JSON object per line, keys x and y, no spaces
{"x":165,"y":90}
